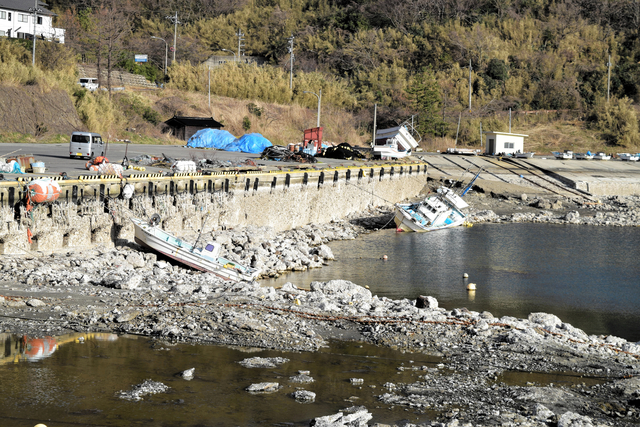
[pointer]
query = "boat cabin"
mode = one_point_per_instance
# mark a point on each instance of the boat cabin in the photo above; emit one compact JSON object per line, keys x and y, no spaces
{"x":394,"y":142}
{"x":504,"y":143}
{"x":211,"y":250}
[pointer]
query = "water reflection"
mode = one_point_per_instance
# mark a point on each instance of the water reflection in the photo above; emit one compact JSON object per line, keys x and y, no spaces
{"x":27,"y":349}
{"x":79,"y":383}
{"x":587,"y":276}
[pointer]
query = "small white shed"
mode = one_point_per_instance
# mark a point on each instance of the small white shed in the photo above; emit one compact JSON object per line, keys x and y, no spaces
{"x":504,"y":142}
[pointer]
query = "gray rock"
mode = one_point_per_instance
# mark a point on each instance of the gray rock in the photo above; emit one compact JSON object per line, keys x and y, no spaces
{"x":571,"y":419}
{"x":146,"y":388}
{"x":343,"y":289}
{"x":188,"y":374}
{"x":130,"y":282}
{"x":304,"y":396}
{"x":547,"y":320}
{"x":325,"y":252}
{"x":263,"y":362}
{"x":356,"y":416}
{"x":136,"y":259}
{"x":35,"y":303}
{"x":265,"y":387}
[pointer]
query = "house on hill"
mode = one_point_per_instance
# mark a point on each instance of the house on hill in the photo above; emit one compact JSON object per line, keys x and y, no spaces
{"x":17,"y":20}
{"x":184,"y":127}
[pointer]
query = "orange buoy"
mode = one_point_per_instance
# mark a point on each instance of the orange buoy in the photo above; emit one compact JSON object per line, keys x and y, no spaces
{"x":43,"y":190}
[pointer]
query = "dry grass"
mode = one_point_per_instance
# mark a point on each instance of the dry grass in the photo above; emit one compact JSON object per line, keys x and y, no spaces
{"x":280,"y":124}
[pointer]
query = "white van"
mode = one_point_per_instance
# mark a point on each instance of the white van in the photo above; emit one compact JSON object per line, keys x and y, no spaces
{"x":88,"y":83}
{"x":86,"y":144}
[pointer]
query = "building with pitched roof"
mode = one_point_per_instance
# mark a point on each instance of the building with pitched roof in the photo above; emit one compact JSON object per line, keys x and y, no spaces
{"x":23,"y":18}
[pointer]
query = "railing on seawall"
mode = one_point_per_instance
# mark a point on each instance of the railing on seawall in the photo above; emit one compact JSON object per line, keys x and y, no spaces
{"x":100,"y":187}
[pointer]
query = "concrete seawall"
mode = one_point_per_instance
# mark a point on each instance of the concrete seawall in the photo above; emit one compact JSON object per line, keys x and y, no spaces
{"x":92,"y":210}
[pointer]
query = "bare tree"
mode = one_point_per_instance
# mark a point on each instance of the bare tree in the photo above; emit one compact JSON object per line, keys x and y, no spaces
{"x":112,"y":21}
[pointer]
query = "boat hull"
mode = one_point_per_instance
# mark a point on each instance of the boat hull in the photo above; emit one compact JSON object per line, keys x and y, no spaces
{"x":405,"y":222}
{"x":162,"y":242}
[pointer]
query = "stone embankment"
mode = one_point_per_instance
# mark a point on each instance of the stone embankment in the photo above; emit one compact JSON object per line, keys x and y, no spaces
{"x":619,"y":211}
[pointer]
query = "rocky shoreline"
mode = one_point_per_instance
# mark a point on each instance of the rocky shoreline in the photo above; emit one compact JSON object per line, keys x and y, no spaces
{"x":129,"y":291}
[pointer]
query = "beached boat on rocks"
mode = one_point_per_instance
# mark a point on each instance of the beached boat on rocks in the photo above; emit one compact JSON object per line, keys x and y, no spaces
{"x":436,"y":212}
{"x":206,"y":258}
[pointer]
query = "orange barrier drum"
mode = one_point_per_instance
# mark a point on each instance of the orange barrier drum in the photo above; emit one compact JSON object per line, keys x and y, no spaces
{"x":43,"y":190}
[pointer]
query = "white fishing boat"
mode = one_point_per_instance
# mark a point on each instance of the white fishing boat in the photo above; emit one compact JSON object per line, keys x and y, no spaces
{"x":563,"y":155}
{"x":436,"y":212}
{"x":585,"y":156}
{"x":628,"y":157}
{"x":206,"y":258}
{"x":601,"y":156}
{"x":526,"y":155}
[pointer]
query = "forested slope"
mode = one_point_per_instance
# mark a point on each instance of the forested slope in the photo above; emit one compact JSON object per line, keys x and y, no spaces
{"x":432,"y":59}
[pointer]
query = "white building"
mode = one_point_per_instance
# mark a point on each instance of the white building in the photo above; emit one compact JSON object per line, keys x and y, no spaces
{"x":17,"y":20}
{"x":503,"y":142}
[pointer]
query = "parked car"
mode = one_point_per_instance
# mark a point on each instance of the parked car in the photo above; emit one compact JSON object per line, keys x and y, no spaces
{"x":88,"y":83}
{"x":86,"y":144}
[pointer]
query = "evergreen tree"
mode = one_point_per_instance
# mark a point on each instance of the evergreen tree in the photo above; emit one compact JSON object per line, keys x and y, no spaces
{"x":425,"y":97}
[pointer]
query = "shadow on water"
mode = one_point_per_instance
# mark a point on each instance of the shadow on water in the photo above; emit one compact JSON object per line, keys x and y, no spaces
{"x":75,"y":379}
{"x":587,"y":276}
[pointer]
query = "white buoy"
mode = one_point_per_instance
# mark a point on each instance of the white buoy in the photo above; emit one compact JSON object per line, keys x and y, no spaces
{"x":471,"y":287}
{"x":384,"y":257}
{"x":465,"y":275}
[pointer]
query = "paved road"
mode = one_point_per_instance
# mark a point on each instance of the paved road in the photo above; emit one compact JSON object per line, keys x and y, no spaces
{"x":56,"y":156}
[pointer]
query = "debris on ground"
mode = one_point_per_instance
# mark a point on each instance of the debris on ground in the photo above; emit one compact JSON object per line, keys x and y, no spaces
{"x":342,"y":151}
{"x":280,"y":153}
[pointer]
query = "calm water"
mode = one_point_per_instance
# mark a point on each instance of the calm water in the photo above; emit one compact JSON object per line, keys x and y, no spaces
{"x":587,"y":276}
{"x":62,"y":382}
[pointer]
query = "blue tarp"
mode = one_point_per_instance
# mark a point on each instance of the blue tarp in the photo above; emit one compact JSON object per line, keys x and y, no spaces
{"x":211,"y":138}
{"x":253,"y":143}
{"x":223,"y":140}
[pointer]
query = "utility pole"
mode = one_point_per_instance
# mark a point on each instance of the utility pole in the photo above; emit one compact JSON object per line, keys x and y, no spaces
{"x":608,"y":77}
{"x":375,"y":115}
{"x":175,"y":21}
{"x":470,"y":68}
{"x":240,"y":36}
{"x":35,"y":11}
{"x":291,"y":61}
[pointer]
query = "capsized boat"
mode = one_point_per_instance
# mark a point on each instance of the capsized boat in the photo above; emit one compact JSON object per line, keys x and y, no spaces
{"x":436,"y":212}
{"x":205,"y":258}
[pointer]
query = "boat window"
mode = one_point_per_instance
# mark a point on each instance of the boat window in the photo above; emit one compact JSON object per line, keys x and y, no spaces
{"x":209,"y":247}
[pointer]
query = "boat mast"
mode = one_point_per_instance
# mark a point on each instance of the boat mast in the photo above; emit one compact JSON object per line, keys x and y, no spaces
{"x":195,"y":245}
{"x":471,"y":183}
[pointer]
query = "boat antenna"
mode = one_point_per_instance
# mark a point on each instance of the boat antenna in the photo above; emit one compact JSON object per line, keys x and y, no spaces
{"x":195,"y":245}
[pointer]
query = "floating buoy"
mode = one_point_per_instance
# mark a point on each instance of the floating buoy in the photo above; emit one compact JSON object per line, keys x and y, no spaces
{"x":465,"y":275}
{"x":384,"y":257}
{"x":40,"y":425}
{"x":43,"y":190}
{"x":471,"y":287}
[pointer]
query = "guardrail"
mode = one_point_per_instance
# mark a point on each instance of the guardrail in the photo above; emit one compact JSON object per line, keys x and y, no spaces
{"x":99,"y":187}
